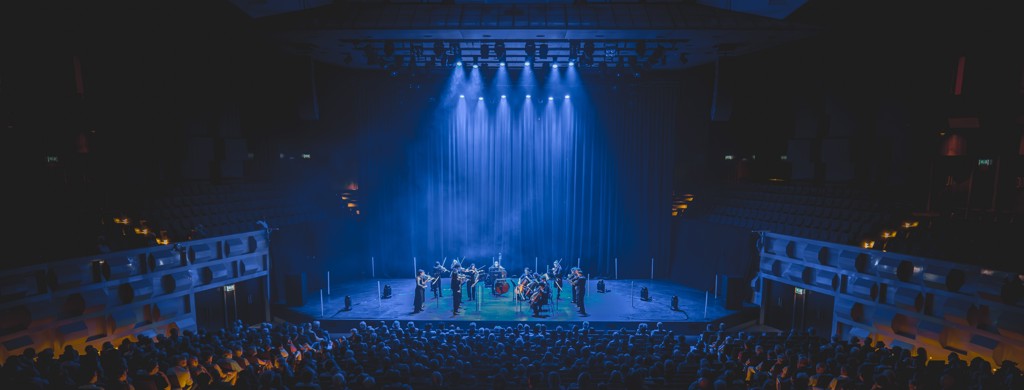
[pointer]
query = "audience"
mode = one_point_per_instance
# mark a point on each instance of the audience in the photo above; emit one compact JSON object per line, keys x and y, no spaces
{"x":527,"y":356}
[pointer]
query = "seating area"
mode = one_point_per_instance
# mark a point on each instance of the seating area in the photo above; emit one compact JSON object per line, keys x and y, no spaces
{"x":855,"y":217}
{"x":536,"y":356}
{"x":199,"y":210}
{"x":834,"y":214}
{"x":988,"y":240}
{"x":224,"y":209}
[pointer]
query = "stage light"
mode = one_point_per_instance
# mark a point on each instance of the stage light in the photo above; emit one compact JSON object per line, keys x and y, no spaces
{"x":566,"y":96}
{"x":462,"y":96}
{"x":641,"y":48}
{"x":554,"y":66}
{"x":501,"y":64}
{"x":572,"y":63}
{"x":499,"y":50}
{"x":526,"y":64}
{"x":458,"y":63}
{"x":502,"y":96}
{"x":485,"y":50}
{"x":551,"y":98}
{"x":480,"y":98}
{"x":476,"y":66}
{"x":657,"y":56}
{"x":528,"y":96}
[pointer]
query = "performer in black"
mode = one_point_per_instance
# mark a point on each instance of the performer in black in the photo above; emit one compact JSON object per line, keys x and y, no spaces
{"x":523,"y":287}
{"x":581,"y":290}
{"x":556,"y":275}
{"x":572,"y":281}
{"x":457,"y":280}
{"x":422,"y":280}
{"x":539,"y":298}
{"x":456,"y":267}
{"x":472,"y":277}
{"x":495,"y":271}
{"x":435,"y":287}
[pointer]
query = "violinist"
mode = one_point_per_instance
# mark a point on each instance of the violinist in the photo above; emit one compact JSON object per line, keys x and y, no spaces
{"x":435,"y":287}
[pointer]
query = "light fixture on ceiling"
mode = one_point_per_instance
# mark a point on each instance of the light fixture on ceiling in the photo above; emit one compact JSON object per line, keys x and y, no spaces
{"x":587,"y":54}
{"x":499,"y":51}
{"x":574,"y":52}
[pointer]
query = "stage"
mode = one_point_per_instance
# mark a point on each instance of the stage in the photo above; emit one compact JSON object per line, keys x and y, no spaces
{"x":615,"y":308}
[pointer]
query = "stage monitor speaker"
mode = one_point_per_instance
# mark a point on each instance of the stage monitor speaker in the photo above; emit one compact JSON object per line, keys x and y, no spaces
{"x":735,"y":290}
{"x":295,"y":289}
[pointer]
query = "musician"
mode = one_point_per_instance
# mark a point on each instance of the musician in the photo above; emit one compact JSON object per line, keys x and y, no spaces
{"x":572,"y":281}
{"x":525,"y":280}
{"x":538,"y":299}
{"x":472,"y":277}
{"x":581,"y":290}
{"x":456,"y":283}
{"x":435,"y":287}
{"x":422,"y":280}
{"x":496,"y":271}
{"x":556,"y":274}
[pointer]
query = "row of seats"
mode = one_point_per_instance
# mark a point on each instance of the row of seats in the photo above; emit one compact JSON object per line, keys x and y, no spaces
{"x":197,"y":210}
{"x":834,"y":214}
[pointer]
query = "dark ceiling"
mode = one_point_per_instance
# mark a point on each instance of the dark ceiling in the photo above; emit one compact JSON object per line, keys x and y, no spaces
{"x":598,"y":35}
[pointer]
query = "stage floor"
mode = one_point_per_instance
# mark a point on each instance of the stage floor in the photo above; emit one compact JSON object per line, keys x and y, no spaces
{"x":612,"y":309}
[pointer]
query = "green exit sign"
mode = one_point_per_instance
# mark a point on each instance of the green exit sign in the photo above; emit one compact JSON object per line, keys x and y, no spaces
{"x":799,"y":291}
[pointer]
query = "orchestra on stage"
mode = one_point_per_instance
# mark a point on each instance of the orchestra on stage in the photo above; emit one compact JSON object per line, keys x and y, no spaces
{"x":538,"y":290}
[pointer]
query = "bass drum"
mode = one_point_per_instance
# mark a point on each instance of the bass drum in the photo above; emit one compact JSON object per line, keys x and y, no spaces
{"x":500,"y":287}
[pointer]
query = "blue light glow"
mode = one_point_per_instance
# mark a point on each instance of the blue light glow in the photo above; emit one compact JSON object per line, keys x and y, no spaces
{"x":458,"y":63}
{"x":550,"y":98}
{"x":555,"y":66}
{"x":476,"y":66}
{"x":527,"y":63}
{"x":502,"y":96}
{"x":480,"y":98}
{"x":528,"y":96}
{"x":502,"y":64}
{"x":566,"y":96}
{"x":462,"y":96}
{"x":571,"y":63}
